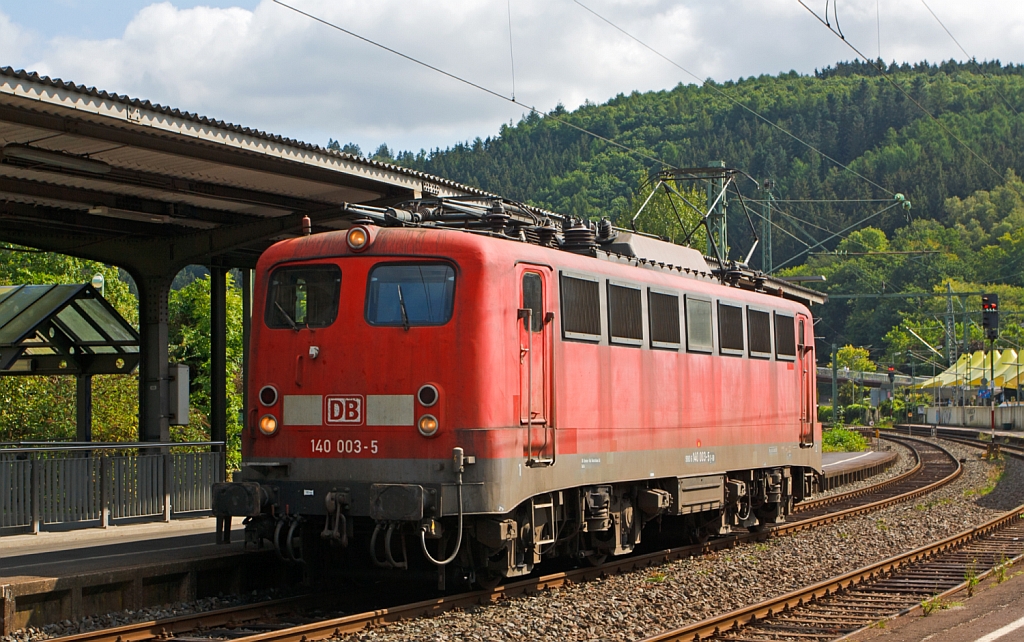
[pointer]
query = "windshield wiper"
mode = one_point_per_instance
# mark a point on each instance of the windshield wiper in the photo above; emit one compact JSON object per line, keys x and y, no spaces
{"x":288,"y":317}
{"x":405,"y":315}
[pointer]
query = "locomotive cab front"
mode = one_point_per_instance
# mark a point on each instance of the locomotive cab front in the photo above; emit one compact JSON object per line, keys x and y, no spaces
{"x":359,"y":345}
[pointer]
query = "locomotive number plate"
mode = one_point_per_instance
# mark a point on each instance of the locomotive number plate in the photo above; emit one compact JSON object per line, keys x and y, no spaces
{"x":343,"y":446}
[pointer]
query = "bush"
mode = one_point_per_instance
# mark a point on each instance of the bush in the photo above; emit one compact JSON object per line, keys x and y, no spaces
{"x":842,"y":440}
{"x":825,"y":414}
{"x":855,"y":413}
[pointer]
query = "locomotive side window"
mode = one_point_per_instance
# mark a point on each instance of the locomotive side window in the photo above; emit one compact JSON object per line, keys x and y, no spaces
{"x":730,"y":329}
{"x":663,"y":311}
{"x":698,"y":325}
{"x":625,"y":315}
{"x":304,"y":296}
{"x":785,"y":337}
{"x":759,"y":333}
{"x":533,"y":299}
{"x":581,"y":308}
{"x":408,"y":294}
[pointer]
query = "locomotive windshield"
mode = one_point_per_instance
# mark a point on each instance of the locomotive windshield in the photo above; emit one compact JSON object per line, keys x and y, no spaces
{"x":304,"y":296}
{"x":409,"y":294}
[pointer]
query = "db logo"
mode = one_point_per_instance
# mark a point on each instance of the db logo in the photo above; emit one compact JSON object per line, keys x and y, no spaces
{"x":345,"y":409}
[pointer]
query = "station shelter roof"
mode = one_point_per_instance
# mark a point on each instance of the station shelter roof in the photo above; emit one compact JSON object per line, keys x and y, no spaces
{"x":63,"y":329}
{"x":98,"y":175}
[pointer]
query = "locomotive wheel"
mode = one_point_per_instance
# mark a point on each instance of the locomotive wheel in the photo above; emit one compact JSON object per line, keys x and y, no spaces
{"x":596,"y":559}
{"x":487,"y":579}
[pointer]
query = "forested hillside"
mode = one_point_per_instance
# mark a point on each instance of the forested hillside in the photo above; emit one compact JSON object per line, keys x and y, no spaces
{"x":848,"y":112}
{"x":968,"y":204}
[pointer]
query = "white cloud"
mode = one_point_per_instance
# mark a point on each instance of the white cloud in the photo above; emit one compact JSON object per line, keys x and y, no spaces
{"x":14,"y":39}
{"x":276,"y":70}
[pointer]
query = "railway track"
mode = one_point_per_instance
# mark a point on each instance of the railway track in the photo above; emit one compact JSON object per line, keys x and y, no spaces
{"x":841,"y":606}
{"x":277,"y":622}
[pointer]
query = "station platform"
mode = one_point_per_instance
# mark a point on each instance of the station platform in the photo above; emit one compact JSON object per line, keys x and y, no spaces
{"x":845,"y":468}
{"x":54,"y":576}
{"x":923,"y":429}
{"x":995,"y":613}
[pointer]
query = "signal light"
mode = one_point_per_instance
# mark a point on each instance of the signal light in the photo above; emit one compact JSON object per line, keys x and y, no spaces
{"x":990,"y":315}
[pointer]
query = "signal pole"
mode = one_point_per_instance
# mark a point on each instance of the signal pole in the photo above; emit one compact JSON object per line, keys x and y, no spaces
{"x":716,"y":222}
{"x":950,"y":327}
{"x":766,"y":228}
{"x":990,"y":322}
{"x":835,"y":386}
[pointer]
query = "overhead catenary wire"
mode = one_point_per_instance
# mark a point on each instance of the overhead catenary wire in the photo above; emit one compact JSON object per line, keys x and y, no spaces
{"x":903,"y":91}
{"x":839,"y":233}
{"x":478,"y":86}
{"x":969,"y":56}
{"x":729,"y":97}
{"x":511,"y":55}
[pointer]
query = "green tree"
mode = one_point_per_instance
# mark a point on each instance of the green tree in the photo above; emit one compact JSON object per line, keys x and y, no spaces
{"x":42,"y":408}
{"x":189,"y":343}
{"x":666,"y":214}
{"x":854,"y":358}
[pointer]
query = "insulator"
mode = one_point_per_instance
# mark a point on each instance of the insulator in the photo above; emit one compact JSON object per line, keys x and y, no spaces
{"x":546,"y":234}
{"x":496,"y":217}
{"x":579,"y":239}
{"x":533,"y":234}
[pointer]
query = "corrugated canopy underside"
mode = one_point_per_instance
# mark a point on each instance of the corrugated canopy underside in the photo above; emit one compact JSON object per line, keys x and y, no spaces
{"x":80,"y":167}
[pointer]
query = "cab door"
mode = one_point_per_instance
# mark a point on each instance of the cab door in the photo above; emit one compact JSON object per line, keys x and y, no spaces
{"x":534,"y":322}
{"x":808,"y":376}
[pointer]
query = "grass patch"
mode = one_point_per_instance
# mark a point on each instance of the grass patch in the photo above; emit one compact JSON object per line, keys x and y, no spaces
{"x":934,"y":604}
{"x":933,"y":503}
{"x":842,"y":440}
{"x":992,"y":478}
{"x":657,"y":577}
{"x":971,"y":578}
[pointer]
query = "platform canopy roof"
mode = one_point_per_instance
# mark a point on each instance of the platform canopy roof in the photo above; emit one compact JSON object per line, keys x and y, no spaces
{"x":63,"y":329}
{"x":121,"y":180}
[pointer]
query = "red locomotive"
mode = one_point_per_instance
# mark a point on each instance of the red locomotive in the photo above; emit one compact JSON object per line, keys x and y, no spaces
{"x":471,"y":384}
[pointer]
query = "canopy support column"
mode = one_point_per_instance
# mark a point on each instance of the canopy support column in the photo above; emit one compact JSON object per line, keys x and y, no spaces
{"x":154,"y":407}
{"x":83,"y":407}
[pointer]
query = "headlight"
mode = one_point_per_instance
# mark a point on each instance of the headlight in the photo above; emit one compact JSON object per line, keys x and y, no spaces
{"x":427,"y":395}
{"x":268,"y":425}
{"x":358,"y":238}
{"x":268,"y":395}
{"x":427,"y":425}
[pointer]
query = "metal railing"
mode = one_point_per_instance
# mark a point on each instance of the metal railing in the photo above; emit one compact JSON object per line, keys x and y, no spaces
{"x":92,"y":484}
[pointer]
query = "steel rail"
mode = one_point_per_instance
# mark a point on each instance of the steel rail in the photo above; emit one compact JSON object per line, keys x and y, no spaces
{"x":166,"y":629}
{"x":837,"y":515}
{"x":792,"y":605}
{"x":841,"y":497}
{"x":740,"y":618}
{"x":226,"y":617}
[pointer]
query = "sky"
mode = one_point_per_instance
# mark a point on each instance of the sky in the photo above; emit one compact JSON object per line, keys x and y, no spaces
{"x":259,"y":64}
